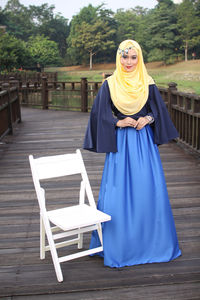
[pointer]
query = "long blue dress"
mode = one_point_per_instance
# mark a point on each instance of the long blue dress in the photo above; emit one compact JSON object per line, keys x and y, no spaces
{"x":133,"y":191}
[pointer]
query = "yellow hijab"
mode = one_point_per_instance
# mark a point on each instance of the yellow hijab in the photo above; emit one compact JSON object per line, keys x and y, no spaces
{"x":129,"y":90}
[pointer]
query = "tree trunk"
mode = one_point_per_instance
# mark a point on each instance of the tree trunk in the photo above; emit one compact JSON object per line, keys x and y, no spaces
{"x":91,"y":60}
{"x":186,"y":50}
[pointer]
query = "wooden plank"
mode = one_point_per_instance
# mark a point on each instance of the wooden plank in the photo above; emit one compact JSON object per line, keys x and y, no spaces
{"x":167,"y":291}
{"x":23,"y":273}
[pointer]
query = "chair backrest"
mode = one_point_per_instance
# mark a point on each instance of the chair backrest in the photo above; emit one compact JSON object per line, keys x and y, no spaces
{"x":58,"y":166}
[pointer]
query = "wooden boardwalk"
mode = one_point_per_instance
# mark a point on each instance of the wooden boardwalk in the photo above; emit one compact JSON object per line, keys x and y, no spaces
{"x":24,"y":276}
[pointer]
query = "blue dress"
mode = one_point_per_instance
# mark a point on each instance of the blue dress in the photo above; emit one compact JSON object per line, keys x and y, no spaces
{"x":133,"y":191}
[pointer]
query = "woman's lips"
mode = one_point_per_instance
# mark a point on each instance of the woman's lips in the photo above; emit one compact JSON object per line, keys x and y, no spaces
{"x":129,"y":67}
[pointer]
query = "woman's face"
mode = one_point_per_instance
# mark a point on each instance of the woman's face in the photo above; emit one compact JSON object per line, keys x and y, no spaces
{"x":129,"y":61}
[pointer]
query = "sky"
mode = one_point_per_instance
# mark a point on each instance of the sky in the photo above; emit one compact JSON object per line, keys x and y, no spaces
{"x":68,"y":8}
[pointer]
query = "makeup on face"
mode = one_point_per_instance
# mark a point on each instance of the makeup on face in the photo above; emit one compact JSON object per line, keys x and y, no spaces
{"x":129,"y":60}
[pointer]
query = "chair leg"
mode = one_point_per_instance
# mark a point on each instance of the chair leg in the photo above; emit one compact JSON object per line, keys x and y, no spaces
{"x":42,"y":239}
{"x":80,"y":243}
{"x":56,"y":261}
{"x":99,"y":230}
{"x":53,"y":252}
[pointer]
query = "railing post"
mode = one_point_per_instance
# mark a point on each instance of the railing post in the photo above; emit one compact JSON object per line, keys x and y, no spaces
{"x":19,"y":107}
{"x":172,"y":88}
{"x":96,"y":86}
{"x":106,"y":75}
{"x":44,"y":93}
{"x":25,"y":93}
{"x":84,"y":95}
{"x":6,"y":87}
{"x":20,"y":86}
{"x":54,"y":85}
{"x":195,"y":109}
{"x":38,"y":75}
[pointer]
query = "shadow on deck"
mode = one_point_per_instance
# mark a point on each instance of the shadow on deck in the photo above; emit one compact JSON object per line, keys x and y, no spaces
{"x":24,"y":276}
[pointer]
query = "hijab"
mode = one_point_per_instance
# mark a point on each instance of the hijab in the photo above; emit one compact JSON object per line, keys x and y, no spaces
{"x":129,"y":90}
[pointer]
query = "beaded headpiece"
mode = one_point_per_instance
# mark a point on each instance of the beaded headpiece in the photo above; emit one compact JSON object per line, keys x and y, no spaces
{"x":122,"y":51}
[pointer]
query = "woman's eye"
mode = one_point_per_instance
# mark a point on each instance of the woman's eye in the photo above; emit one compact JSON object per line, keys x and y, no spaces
{"x":134,"y":57}
{"x":124,"y":56}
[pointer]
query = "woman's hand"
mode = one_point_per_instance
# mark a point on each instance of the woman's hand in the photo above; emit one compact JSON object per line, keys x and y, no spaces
{"x":141,"y":122}
{"x":127,"y":122}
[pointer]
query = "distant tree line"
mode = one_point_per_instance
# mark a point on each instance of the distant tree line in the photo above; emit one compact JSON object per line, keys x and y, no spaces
{"x":35,"y":35}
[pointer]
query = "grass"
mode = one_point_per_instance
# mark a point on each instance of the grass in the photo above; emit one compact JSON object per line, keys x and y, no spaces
{"x":185,"y":74}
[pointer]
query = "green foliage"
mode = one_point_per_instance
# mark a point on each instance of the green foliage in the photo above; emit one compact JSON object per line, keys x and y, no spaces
{"x":88,"y":15}
{"x":41,"y":14}
{"x":130,"y":24}
{"x":43,"y":51}
{"x":126,"y":25}
{"x":91,"y":31}
{"x":167,"y":33}
{"x":133,"y":24}
{"x":51,"y":28}
{"x":163,"y":31}
{"x":13,"y":52}
{"x":155,"y":55}
{"x":17,"y":20}
{"x":24,"y":22}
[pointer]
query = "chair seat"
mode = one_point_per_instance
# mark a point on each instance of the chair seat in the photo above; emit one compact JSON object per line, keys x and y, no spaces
{"x":76,"y":216}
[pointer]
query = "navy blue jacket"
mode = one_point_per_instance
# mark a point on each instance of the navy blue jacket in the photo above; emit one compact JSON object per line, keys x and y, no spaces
{"x":100,"y":134}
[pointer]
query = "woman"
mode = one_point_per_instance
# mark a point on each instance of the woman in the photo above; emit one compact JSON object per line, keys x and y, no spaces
{"x":127,"y":122}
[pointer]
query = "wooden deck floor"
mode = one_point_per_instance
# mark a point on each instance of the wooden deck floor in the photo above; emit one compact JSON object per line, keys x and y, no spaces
{"x":24,"y":276}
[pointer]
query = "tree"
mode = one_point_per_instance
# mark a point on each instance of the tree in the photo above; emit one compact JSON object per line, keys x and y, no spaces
{"x":42,"y":13}
{"x":131,"y":24}
{"x":196,"y":48}
{"x":24,"y":22}
{"x":17,"y":20}
{"x":43,"y":51}
{"x":107,"y":54}
{"x":196,"y":4}
{"x":90,"y":32}
{"x":162,"y":32}
{"x":2,"y":17}
{"x":93,"y":38}
{"x":57,"y":30}
{"x":126,"y":25}
{"x":13,"y":52}
{"x":188,"y":25}
{"x":87,"y":14}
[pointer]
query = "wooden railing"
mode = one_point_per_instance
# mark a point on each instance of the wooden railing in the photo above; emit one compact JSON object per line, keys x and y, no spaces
{"x":10,"y":112}
{"x":27,"y":76}
{"x":70,"y":95}
{"x":184,"y":108}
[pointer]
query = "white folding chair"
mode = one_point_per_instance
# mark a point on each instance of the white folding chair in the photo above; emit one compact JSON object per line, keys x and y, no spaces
{"x":71,"y":220}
